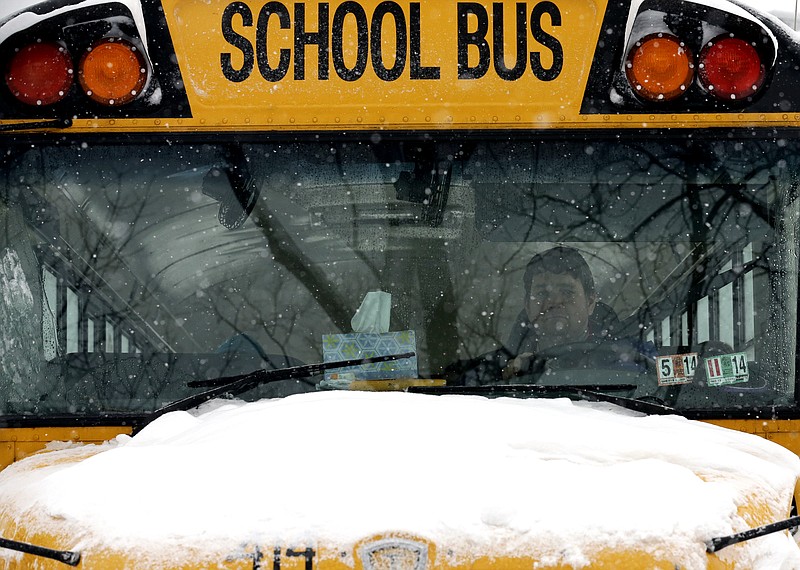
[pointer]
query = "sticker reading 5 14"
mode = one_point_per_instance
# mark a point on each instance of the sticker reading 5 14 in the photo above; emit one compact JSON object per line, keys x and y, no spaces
{"x":676,"y":368}
{"x":727,"y":369}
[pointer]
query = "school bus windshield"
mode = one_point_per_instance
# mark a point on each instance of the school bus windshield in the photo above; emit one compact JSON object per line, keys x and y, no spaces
{"x":133,"y":269}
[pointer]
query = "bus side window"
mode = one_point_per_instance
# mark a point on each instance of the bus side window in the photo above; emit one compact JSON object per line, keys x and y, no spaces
{"x":49,"y":313}
{"x":725,"y":313}
{"x":20,"y":308}
{"x":75,"y":318}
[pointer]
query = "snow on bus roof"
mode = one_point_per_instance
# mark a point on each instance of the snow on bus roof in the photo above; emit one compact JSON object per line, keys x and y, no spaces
{"x":500,"y":475}
{"x":26,"y":19}
{"x":723,"y":5}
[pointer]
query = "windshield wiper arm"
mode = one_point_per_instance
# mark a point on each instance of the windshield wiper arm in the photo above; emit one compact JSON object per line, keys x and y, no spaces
{"x":66,"y":556}
{"x":37,"y":125}
{"x":234,"y":385}
{"x":594,"y":393}
{"x":721,"y":542}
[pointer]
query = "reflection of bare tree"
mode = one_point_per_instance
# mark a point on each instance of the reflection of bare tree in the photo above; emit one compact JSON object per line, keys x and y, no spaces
{"x":266,"y":315}
{"x":286,"y":253}
{"x":657,"y":220}
{"x":101,"y":225}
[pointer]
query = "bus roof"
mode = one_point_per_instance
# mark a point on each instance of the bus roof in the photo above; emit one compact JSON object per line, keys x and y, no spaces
{"x":312,"y":66}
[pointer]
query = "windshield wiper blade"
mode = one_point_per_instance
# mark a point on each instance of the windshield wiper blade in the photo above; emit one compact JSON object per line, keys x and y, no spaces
{"x":37,"y":125}
{"x":233,"y":385}
{"x":66,"y":556}
{"x":716,"y":544}
{"x":592,"y":393}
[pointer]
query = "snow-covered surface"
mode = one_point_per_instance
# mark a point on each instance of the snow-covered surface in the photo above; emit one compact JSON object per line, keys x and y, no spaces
{"x":785,"y":10}
{"x":552,"y":477}
{"x":27,"y":19}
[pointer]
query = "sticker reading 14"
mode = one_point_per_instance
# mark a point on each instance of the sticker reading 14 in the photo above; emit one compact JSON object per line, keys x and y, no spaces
{"x":727,"y":369}
{"x":676,"y":368}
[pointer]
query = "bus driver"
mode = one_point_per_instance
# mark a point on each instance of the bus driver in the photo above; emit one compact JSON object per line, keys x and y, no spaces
{"x":560,"y":300}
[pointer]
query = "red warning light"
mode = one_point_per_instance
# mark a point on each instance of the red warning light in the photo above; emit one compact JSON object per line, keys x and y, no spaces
{"x":40,"y":74}
{"x":730,"y":68}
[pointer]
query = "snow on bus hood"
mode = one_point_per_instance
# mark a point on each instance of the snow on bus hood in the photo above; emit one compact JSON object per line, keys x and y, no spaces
{"x":557,"y":478}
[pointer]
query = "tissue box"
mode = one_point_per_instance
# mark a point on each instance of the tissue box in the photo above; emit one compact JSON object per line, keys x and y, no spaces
{"x":365,"y":345}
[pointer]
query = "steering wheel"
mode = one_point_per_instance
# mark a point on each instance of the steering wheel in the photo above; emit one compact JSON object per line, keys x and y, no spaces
{"x":587,"y":355}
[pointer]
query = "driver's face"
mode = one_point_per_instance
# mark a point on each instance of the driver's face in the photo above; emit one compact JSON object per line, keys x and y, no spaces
{"x":559,"y":309}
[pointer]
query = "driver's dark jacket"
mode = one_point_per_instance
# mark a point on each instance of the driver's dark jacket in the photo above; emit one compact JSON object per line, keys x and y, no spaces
{"x":618,"y":351}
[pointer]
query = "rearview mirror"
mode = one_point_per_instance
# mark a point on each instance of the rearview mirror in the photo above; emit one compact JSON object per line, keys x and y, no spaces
{"x":233,"y":187}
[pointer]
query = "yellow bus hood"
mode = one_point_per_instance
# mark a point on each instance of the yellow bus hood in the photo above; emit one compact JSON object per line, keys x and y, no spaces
{"x":356,"y":480}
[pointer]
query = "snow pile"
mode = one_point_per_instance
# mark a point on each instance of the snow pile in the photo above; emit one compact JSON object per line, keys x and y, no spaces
{"x":554,"y":478}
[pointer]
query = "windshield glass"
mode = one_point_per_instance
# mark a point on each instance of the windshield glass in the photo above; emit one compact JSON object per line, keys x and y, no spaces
{"x":132,"y":269}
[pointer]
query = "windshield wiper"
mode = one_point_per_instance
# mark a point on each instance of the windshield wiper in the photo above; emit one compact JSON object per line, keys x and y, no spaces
{"x":66,"y":556}
{"x":233,"y":385}
{"x":716,"y":544}
{"x":591,"y":393}
{"x":37,"y":125}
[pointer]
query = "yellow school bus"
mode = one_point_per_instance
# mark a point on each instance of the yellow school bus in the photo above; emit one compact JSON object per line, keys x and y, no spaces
{"x":210,"y":198}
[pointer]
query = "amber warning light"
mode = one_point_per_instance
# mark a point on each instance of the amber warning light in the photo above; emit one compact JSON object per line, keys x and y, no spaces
{"x":112,"y":72}
{"x":659,"y":67}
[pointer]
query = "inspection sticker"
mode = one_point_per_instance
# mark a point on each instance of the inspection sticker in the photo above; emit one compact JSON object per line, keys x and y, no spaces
{"x":676,"y":368}
{"x":727,"y":369}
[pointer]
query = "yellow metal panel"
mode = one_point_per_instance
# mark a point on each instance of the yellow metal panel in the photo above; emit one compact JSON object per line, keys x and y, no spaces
{"x":427,"y":91}
{"x":393,"y":69}
{"x":26,"y":448}
{"x":7,"y":453}
{"x":783,"y":432}
{"x":788,"y":440}
{"x":229,"y":54}
{"x":18,"y":443}
{"x":185,"y":557}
